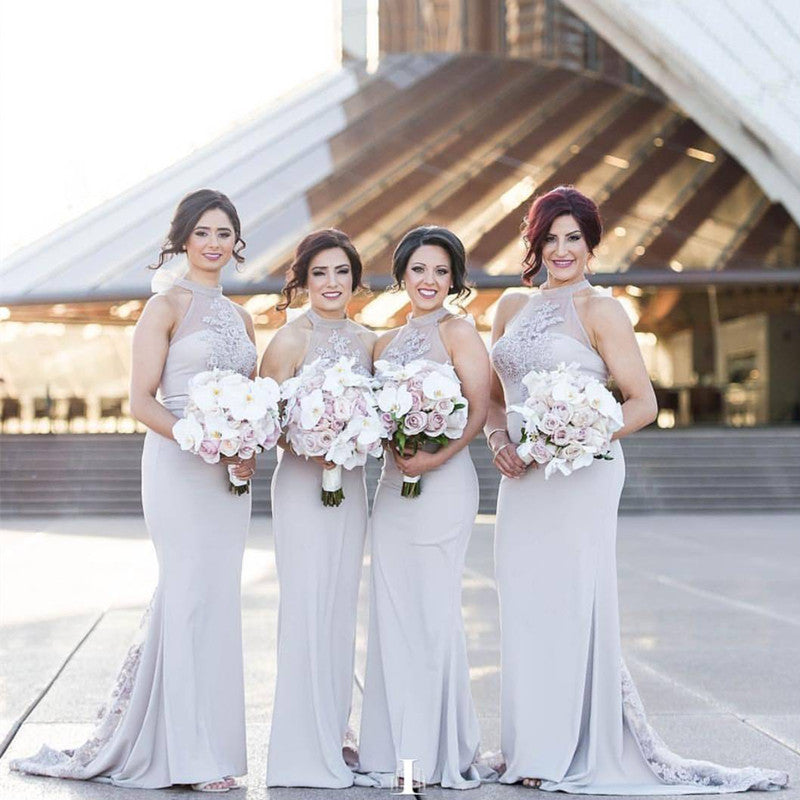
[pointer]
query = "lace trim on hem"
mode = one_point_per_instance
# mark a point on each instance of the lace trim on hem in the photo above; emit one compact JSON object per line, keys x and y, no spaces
{"x":672,"y":769}
{"x":76,"y":763}
{"x":667,"y":766}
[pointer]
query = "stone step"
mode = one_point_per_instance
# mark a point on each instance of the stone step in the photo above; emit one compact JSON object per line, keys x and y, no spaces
{"x":696,"y":469}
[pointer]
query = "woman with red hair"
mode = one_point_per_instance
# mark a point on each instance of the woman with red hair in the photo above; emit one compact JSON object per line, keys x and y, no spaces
{"x":571,"y":719}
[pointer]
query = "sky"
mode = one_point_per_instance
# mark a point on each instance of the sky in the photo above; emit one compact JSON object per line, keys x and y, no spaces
{"x":97,"y":95}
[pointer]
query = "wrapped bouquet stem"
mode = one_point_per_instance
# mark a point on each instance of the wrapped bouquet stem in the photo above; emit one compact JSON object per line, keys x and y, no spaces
{"x":332,"y":494}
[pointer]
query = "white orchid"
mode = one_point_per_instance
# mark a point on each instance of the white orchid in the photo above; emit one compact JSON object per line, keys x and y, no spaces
{"x":337,"y":376}
{"x":218,"y":426}
{"x":268,"y":389}
{"x":188,"y":433}
{"x":439,"y":387}
{"x":208,"y":396}
{"x":312,"y":407}
{"x":395,"y":400}
{"x":567,"y":392}
{"x":367,"y":429}
{"x":600,"y":399}
{"x":387,"y":370}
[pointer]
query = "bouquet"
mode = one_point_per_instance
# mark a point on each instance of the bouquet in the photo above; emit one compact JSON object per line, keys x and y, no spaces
{"x":331,"y":412}
{"x":567,"y":419}
{"x":229,"y":415}
{"x":422,"y":407}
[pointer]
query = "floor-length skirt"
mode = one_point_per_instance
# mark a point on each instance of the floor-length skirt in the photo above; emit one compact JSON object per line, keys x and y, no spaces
{"x":570,"y":714}
{"x":176,"y":712}
{"x":417,"y":699}
{"x":319,"y":552}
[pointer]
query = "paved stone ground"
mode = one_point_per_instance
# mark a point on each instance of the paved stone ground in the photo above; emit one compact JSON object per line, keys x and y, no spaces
{"x":710,"y":619}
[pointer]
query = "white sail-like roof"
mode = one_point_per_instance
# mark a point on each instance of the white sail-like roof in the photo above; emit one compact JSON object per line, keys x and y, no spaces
{"x":732,"y":65}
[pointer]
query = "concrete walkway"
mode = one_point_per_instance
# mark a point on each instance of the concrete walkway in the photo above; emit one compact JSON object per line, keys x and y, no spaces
{"x":710,"y":619}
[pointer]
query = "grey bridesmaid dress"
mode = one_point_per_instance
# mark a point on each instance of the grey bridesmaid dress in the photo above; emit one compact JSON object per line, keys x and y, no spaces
{"x":417,"y":700}
{"x":319,"y":554}
{"x":176,"y":712}
{"x":570,"y":713}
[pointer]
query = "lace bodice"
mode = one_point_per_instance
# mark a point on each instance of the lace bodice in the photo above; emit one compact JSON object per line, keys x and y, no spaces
{"x":212,"y":334}
{"x":545,"y":332}
{"x":419,"y":338}
{"x":333,"y":338}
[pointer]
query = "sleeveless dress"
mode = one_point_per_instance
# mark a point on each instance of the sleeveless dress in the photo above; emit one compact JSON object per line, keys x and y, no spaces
{"x":570,"y":713}
{"x":318,"y":553}
{"x":417,"y":700}
{"x":176,"y":712}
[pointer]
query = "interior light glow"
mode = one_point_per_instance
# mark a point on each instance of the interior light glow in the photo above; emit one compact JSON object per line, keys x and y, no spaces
{"x":377,"y":313}
{"x":614,"y":161}
{"x":701,"y":155}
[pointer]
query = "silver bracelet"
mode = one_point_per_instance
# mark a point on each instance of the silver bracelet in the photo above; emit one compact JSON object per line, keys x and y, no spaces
{"x":491,"y":433}
{"x":500,"y":450}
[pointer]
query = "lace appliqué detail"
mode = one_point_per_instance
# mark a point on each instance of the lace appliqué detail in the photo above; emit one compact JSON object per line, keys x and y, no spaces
{"x":404,"y":348}
{"x":77,"y":763}
{"x":672,"y":769}
{"x":336,"y":347}
{"x":229,"y":346}
{"x":528,"y":345}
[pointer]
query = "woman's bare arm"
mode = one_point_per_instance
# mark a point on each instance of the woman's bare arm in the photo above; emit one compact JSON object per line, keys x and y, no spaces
{"x":149,"y":354}
{"x":505,"y":453}
{"x":616,"y":342}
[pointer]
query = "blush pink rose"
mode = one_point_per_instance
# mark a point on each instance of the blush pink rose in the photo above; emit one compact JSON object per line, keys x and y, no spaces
{"x":415,"y":422}
{"x":209,"y":451}
{"x":436,"y":424}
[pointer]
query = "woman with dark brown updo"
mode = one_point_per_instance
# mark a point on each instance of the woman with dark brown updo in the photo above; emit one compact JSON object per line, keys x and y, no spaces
{"x":176,"y":715}
{"x":417,"y":699}
{"x":318,"y":549}
{"x":571,"y":719}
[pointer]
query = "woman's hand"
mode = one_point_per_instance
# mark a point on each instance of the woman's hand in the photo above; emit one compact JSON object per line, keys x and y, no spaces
{"x":243,"y":468}
{"x":322,"y":462}
{"x":505,"y":457}
{"x":417,"y":464}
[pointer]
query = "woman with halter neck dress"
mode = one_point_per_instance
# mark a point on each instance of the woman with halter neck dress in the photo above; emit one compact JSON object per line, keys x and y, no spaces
{"x":417,"y":700}
{"x":176,"y":714}
{"x":318,"y":549}
{"x":571,"y":719}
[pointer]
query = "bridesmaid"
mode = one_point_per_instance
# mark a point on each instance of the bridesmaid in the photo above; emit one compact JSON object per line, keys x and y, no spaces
{"x":176,"y":714}
{"x":417,"y":700}
{"x":318,"y":550}
{"x":571,"y":719}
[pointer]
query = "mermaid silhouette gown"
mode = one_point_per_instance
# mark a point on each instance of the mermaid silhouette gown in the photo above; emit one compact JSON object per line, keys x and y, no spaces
{"x":417,"y":699}
{"x":570,"y":713}
{"x":319,"y":554}
{"x":176,"y":712}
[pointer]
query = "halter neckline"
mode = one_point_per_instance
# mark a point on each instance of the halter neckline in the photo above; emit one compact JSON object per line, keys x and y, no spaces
{"x":319,"y":321}
{"x":193,"y":286}
{"x":430,"y":318}
{"x":570,"y":288}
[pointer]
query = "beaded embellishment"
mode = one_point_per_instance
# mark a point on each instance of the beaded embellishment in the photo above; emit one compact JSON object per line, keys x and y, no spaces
{"x":229,"y":347}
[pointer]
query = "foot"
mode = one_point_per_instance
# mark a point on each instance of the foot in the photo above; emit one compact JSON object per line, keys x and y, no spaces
{"x":222,"y":785}
{"x":532,"y":783}
{"x":350,"y":756}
